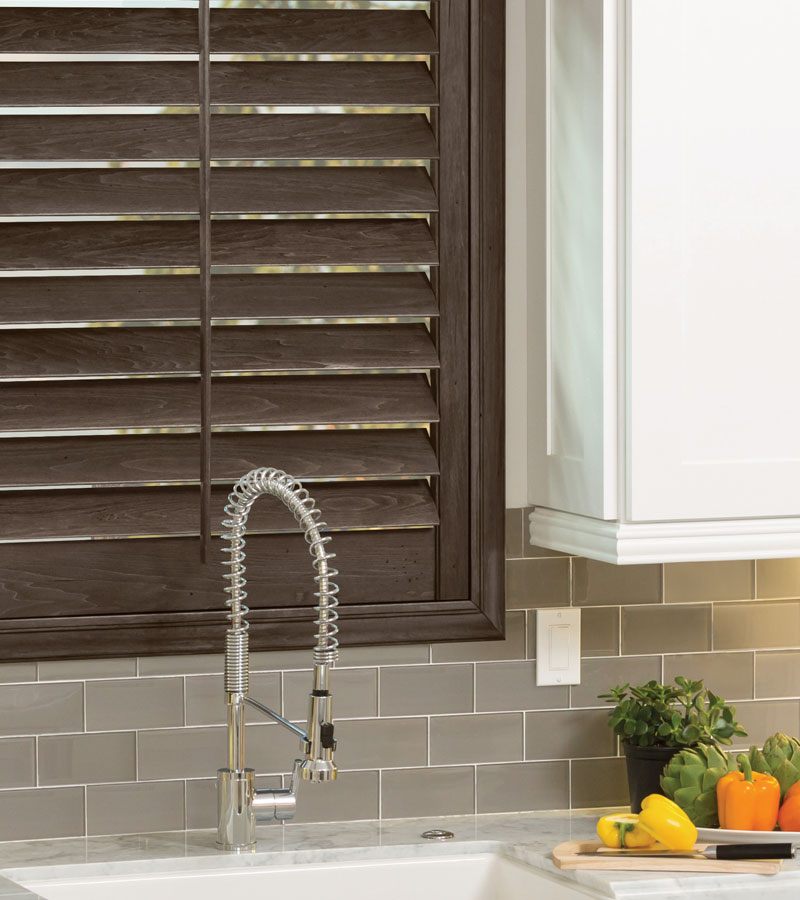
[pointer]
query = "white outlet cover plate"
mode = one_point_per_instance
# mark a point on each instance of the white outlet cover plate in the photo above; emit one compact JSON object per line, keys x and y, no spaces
{"x":558,"y":646}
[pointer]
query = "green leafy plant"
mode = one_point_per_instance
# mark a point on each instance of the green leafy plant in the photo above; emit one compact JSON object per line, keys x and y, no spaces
{"x":681,"y":715}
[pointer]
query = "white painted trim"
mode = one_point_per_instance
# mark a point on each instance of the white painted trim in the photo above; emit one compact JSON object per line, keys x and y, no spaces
{"x":654,"y":542}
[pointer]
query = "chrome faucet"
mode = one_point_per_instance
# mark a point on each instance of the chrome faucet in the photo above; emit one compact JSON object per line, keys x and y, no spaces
{"x":239,"y":803}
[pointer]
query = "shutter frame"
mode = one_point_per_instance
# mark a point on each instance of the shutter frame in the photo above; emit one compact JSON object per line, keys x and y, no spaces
{"x":473,"y":612}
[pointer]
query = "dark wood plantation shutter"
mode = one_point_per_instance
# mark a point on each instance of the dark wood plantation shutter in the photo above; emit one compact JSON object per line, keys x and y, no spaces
{"x":355,"y":318}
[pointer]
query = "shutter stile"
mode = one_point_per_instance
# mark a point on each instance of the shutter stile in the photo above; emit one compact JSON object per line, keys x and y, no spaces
{"x":321,"y":303}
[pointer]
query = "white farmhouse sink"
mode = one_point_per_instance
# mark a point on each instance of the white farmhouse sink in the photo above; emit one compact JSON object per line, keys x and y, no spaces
{"x":479,"y":876}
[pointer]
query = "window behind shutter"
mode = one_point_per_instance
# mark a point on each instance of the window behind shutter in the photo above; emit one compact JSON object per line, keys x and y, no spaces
{"x":351,"y":320}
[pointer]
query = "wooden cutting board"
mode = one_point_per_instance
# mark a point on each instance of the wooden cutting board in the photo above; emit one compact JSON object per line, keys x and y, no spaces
{"x":565,"y":857}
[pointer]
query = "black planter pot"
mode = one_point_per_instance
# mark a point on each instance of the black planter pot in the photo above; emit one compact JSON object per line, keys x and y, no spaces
{"x":645,"y":765}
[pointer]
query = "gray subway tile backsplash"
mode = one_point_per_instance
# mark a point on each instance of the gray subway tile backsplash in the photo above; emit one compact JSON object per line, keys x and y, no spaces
{"x":181,"y":752}
{"x":353,"y":796}
{"x":600,"y":584}
{"x":532,"y":583}
{"x":41,"y":813}
{"x":728,"y":674}
{"x":476,"y":738}
{"x":512,"y":647}
{"x":41,"y":708}
{"x":135,"y":808}
{"x":18,"y":762}
{"x":422,"y":730}
{"x":763,"y":625}
{"x":17,"y":672}
{"x":518,"y":787}
{"x":416,"y":793}
{"x":85,"y":669}
{"x":598,"y":783}
{"x":133,"y":703}
{"x":706,"y":582}
{"x":205,"y":696}
{"x":762,"y":718}
{"x":666,"y":629}
{"x":87,"y":758}
{"x":512,"y":685}
{"x":355,"y":693}
{"x":382,"y":743}
{"x":777,"y":673}
{"x":778,"y":578}
{"x":421,"y":690}
{"x":568,"y":734}
{"x":599,"y":675}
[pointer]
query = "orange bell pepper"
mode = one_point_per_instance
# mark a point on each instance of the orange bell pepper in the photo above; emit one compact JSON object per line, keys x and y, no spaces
{"x":794,"y":790}
{"x":748,"y":800}
{"x":789,"y":814}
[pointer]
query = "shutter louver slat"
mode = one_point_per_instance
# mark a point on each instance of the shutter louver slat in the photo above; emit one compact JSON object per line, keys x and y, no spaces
{"x":232,"y":31}
{"x":174,"y":137}
{"x":83,"y":578}
{"x":130,"y":512}
{"x":174,"y":403}
{"x":96,"y":352}
{"x":165,"y":458}
{"x":285,"y":189}
{"x":145,"y":298}
{"x":406,"y":84}
{"x":251,"y":242}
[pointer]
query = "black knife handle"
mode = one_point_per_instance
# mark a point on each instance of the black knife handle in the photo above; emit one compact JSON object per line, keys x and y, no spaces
{"x":755,"y":851}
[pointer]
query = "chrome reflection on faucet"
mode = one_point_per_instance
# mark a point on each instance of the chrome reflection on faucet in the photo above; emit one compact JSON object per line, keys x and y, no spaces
{"x":239,"y":803}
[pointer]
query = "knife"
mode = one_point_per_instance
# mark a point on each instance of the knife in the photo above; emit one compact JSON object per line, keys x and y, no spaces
{"x":720,"y":851}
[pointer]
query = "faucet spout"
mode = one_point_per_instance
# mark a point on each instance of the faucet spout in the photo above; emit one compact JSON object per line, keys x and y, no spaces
{"x":239,"y":803}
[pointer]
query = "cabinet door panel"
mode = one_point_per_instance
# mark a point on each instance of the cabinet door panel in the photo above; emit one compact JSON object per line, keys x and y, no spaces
{"x":714,"y":274}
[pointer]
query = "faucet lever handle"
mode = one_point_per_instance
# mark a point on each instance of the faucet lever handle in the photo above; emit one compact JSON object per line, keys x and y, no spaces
{"x":326,"y":736}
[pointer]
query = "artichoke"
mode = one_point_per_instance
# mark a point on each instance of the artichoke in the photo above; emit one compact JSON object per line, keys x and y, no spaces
{"x":690,"y":779}
{"x":779,"y":758}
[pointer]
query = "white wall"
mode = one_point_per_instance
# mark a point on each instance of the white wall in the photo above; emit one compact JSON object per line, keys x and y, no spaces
{"x":525,"y":220}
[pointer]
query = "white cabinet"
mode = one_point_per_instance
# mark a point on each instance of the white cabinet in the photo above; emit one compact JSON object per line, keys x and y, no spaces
{"x":664,"y":421}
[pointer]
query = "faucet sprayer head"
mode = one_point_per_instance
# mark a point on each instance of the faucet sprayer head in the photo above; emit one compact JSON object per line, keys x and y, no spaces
{"x":319,"y":765}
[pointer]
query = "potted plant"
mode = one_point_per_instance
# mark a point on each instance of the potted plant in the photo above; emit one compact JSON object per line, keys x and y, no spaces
{"x":655,"y":721}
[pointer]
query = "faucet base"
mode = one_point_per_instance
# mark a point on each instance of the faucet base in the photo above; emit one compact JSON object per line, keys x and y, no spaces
{"x":236,"y":818}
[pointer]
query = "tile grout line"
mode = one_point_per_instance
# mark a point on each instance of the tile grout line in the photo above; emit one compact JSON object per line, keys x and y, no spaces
{"x":569,"y":784}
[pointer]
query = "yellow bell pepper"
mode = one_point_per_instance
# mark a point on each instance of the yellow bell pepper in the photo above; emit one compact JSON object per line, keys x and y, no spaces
{"x":667,"y":823}
{"x":659,"y":800}
{"x":623,"y":831}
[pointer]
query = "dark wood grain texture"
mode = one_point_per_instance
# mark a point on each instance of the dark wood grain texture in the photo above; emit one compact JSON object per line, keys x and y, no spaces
{"x":204,"y":300}
{"x":147,"y":511}
{"x":112,"y":578}
{"x":457,"y":414}
{"x":98,"y":352}
{"x":144,"y":298}
{"x":154,"y":614}
{"x":174,"y":458}
{"x":283,"y":189}
{"x":238,"y":242}
{"x":233,"y":136}
{"x":323,"y":136}
{"x":487,"y":339}
{"x":174,"y":403}
{"x":53,"y":30}
{"x":232,"y":83}
{"x":176,"y":633}
{"x":323,"y":83}
{"x":153,"y":635}
{"x":99,"y":137}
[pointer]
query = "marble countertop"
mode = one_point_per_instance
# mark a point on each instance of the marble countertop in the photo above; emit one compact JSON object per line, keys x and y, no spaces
{"x":529,"y":837}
